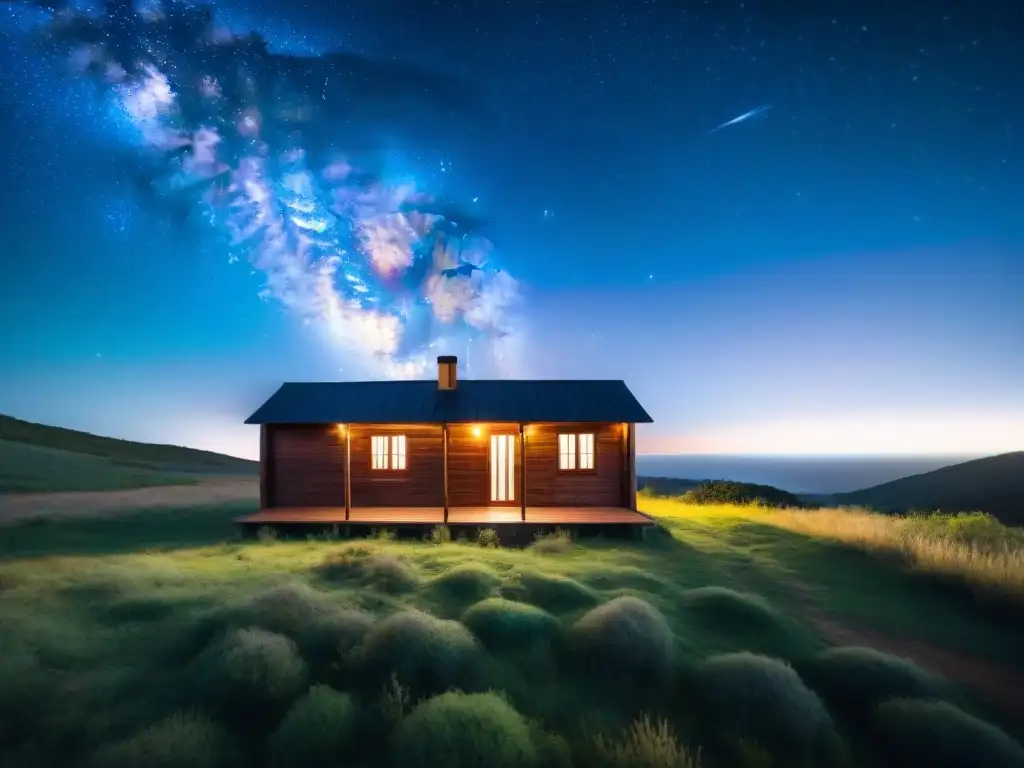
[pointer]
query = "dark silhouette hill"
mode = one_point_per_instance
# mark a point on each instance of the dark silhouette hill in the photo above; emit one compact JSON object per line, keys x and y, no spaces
{"x":37,"y":457}
{"x":994,"y":484}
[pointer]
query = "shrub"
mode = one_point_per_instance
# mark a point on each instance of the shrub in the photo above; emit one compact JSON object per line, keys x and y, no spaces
{"x":317,"y":730}
{"x":553,"y":543}
{"x":383,"y":571}
{"x":730,"y":609}
{"x":488,"y":538}
{"x":333,"y":635}
{"x":937,"y":734}
{"x":554,"y":593}
{"x":183,"y":739}
{"x":251,"y":673}
{"x":856,"y":679}
{"x":423,"y":652}
{"x":503,"y":623}
{"x":470,"y":581}
{"x":458,"y":730}
{"x":644,"y":745}
{"x":765,"y":701}
{"x":266,"y":534}
{"x":322,"y":627}
{"x":440,"y":534}
{"x":626,"y":636}
{"x":286,"y":608}
{"x":730,"y":492}
{"x":389,"y":574}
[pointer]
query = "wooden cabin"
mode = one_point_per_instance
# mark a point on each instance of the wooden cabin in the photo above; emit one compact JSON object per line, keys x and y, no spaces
{"x":449,"y":451}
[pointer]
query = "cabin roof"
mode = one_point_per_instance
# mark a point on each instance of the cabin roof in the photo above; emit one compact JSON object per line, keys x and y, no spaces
{"x":421,"y":402}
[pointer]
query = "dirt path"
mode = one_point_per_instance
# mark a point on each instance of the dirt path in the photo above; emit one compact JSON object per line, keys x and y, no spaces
{"x":33,"y":506}
{"x":1001,"y":687}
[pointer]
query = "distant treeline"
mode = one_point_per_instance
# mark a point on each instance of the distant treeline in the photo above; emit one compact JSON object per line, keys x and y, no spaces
{"x":719,"y":491}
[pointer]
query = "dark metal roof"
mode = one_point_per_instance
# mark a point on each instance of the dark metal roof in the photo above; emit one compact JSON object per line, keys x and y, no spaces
{"x":421,"y":402}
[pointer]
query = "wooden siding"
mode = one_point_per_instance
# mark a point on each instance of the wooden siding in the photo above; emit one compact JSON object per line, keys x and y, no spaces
{"x":307,"y":465}
{"x":469,"y":463}
{"x":420,"y":484}
{"x":547,"y":486}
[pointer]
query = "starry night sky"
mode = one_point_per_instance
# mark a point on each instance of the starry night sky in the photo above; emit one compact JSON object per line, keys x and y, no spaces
{"x":841,"y":272}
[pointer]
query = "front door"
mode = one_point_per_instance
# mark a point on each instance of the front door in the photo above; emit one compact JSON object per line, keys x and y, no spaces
{"x":503,"y":469}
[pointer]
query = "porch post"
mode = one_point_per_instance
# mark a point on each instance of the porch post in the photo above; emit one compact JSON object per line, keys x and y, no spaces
{"x":348,"y":471}
{"x":522,"y":471}
{"x":444,"y":435}
{"x":266,"y":456}
{"x":631,"y":488}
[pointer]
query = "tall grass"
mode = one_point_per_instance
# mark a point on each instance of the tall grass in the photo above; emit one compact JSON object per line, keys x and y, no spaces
{"x":972,"y":549}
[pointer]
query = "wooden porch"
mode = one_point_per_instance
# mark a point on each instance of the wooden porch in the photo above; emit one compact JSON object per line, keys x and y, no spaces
{"x":409,"y":516}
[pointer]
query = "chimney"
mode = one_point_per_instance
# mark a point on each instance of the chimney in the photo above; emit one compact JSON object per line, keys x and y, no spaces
{"x":446,"y":372}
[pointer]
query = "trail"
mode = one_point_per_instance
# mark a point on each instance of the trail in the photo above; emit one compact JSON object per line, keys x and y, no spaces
{"x":15,"y":508}
{"x":997,"y":685}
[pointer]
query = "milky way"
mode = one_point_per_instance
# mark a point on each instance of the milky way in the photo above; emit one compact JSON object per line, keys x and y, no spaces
{"x":259,"y":144}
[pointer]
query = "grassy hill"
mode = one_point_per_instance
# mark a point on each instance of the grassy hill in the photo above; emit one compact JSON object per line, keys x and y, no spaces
{"x":157,"y":639}
{"x":994,"y":484}
{"x":40,"y":458}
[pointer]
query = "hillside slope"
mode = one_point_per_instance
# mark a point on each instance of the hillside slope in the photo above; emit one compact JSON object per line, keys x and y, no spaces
{"x":41,"y":458}
{"x":994,"y":484}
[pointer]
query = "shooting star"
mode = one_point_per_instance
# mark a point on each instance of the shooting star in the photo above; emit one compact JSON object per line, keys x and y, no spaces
{"x":742,"y":118}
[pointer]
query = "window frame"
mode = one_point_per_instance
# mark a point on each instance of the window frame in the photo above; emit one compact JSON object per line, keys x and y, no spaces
{"x":392,"y":442}
{"x":577,"y":454}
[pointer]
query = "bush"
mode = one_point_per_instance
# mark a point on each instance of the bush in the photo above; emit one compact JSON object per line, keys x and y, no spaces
{"x":389,"y":574}
{"x":440,"y":534}
{"x":470,"y":581}
{"x":856,"y":679}
{"x":626,"y":636}
{"x":317,"y":730}
{"x":457,"y":730}
{"x":730,"y":492}
{"x":322,"y":627}
{"x":937,"y":734}
{"x":285,"y":608}
{"x":184,"y":739}
{"x":554,"y":593}
{"x":765,"y":701}
{"x":730,"y":609}
{"x":383,"y":571}
{"x":500,"y":623}
{"x":553,"y":543}
{"x":251,"y":674}
{"x":332,"y":636}
{"x":644,"y":745}
{"x":427,"y":654}
{"x":488,"y":538}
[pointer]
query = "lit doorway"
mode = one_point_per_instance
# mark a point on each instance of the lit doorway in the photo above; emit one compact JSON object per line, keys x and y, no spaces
{"x":503,"y":469}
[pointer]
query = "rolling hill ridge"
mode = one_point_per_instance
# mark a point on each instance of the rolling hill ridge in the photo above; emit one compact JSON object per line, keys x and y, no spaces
{"x":994,"y":484}
{"x":40,"y":458}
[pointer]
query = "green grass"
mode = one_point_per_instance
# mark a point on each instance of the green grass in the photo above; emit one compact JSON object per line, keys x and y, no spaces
{"x":32,"y":469}
{"x":35,"y":458}
{"x":159,"y":636}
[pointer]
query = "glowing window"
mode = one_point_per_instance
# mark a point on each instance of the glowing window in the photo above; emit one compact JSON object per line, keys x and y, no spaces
{"x":576,"y":452}
{"x":567,"y":452}
{"x":586,"y":451}
{"x":387,"y":452}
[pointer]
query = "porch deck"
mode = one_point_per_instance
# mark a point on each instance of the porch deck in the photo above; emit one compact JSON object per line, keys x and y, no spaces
{"x":435,"y":516}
